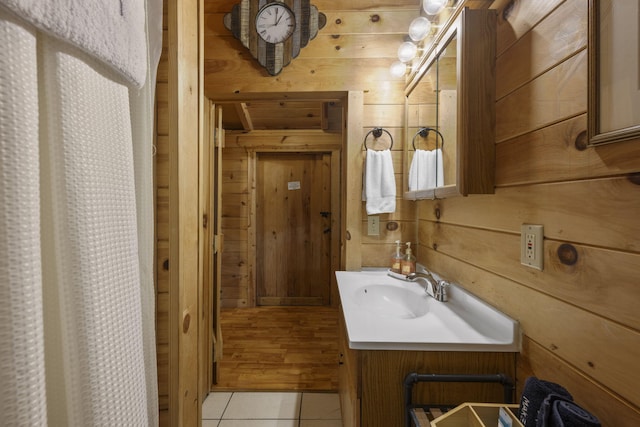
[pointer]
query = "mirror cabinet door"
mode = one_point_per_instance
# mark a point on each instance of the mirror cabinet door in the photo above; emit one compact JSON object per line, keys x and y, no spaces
{"x":453,"y":103}
{"x":422,"y":113}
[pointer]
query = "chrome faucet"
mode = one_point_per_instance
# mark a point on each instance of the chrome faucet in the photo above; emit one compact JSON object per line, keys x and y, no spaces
{"x":438,"y":287}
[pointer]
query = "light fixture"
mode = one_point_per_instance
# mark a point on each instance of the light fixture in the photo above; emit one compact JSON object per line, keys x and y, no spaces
{"x":419,"y":28}
{"x":433,"y":7}
{"x":407,"y":51}
{"x":398,"y":69}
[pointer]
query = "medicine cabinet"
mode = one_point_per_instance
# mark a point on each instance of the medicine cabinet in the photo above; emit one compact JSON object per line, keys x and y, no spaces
{"x":450,"y":111}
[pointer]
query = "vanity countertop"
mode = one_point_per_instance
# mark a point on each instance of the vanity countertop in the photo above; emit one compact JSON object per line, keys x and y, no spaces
{"x":384,"y":313}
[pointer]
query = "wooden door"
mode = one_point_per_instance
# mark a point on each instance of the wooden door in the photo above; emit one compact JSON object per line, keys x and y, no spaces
{"x":211,"y":245}
{"x":293,"y":228}
{"x":217,"y":240}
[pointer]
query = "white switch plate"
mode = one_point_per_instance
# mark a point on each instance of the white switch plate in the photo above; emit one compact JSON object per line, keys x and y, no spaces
{"x":532,"y":245}
{"x":373,"y":225}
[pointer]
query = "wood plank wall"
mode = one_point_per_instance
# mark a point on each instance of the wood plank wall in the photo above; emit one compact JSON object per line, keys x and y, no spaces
{"x":352,"y":53}
{"x":580,"y":321}
{"x":162,"y":180}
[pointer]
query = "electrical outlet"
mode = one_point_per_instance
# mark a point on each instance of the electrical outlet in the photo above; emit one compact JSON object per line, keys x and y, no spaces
{"x":373,"y":225}
{"x":532,"y":245}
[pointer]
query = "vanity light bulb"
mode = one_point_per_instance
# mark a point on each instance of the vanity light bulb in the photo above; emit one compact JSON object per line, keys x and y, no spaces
{"x":398,"y":69}
{"x":407,"y":51}
{"x":433,"y":7}
{"x":419,"y":28}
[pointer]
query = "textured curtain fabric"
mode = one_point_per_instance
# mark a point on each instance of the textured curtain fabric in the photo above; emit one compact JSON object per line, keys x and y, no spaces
{"x":22,"y":381}
{"x":77,"y":335}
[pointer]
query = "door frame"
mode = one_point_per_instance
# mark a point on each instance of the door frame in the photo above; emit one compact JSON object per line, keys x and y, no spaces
{"x":336,"y":172}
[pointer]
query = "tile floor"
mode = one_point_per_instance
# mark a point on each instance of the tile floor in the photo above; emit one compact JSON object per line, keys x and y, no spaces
{"x":271,"y":409}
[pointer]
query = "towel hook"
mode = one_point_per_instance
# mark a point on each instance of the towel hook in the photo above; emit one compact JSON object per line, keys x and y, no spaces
{"x":377,"y":133}
{"x":424,"y":132}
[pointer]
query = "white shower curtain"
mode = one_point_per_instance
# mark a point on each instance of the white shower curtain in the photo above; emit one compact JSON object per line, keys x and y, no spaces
{"x":77,"y":338}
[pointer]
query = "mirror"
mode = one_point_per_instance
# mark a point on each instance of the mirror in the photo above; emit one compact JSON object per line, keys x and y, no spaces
{"x":431,"y":112}
{"x":450,"y":112}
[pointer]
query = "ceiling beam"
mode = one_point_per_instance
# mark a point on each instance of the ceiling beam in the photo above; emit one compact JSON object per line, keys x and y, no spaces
{"x":244,"y":115}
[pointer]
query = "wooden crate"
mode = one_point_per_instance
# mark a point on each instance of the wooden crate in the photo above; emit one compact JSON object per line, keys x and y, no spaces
{"x":475,"y":415}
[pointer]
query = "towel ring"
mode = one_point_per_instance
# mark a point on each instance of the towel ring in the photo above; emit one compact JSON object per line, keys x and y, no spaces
{"x":424,"y":132}
{"x":377,"y":133}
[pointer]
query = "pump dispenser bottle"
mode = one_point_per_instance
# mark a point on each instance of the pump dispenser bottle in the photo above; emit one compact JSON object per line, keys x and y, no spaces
{"x":408,"y":264}
{"x":396,"y":259}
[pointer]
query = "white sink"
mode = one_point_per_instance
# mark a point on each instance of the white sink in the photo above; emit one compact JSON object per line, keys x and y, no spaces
{"x":384,"y":313}
{"x":385,"y":300}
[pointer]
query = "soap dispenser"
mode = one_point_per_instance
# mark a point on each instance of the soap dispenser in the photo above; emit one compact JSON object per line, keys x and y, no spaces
{"x":396,"y":259}
{"x":408,"y":264}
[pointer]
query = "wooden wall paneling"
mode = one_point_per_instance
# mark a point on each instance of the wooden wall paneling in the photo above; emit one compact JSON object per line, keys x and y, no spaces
{"x":301,"y":75}
{"x":558,"y":153}
{"x":578,"y":330}
{"x":599,"y":287}
{"x":336,"y":221}
{"x":287,"y":139}
{"x":518,"y":17}
{"x":323,"y":5}
{"x":552,"y":41}
{"x":162,"y":266}
{"x":236,"y":205}
{"x":162,"y":166}
{"x":535,"y":310}
{"x":385,"y":115}
{"x":184,"y":130}
{"x":162,"y":356}
{"x":351,"y":236}
{"x":556,"y":95}
{"x":339,"y":22}
{"x":325,"y":45}
{"x":162,"y":319}
{"x":567,"y":210}
{"x":162,"y":214}
{"x":610,"y":409}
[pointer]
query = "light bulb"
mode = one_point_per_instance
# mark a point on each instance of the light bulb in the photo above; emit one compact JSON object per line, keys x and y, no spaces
{"x":407,"y":51}
{"x":433,"y":7}
{"x":398,"y":69}
{"x":419,"y":28}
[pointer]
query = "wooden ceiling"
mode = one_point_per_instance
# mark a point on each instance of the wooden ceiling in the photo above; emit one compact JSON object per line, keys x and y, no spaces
{"x":277,"y":111}
{"x":280,"y":114}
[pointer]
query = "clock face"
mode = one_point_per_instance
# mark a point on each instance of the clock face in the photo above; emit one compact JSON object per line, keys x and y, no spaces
{"x":275,"y":23}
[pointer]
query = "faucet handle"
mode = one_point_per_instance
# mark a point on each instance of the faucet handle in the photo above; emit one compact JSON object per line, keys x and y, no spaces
{"x":441,"y":292}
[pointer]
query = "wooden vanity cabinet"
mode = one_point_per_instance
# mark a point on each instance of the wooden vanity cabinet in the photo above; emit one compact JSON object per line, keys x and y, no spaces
{"x":371,"y":381}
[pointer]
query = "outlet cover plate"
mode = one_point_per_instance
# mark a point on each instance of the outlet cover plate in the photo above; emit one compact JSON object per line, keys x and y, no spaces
{"x":532,"y":246}
{"x":373,"y":225}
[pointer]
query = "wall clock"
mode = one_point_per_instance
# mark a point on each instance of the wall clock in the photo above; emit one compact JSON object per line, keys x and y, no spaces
{"x":274,"y":31}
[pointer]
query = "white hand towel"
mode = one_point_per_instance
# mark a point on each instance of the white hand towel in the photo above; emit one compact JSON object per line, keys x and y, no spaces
{"x":426,"y":170}
{"x":379,"y":182}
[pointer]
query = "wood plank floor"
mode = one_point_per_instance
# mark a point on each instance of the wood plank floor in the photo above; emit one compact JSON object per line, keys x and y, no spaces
{"x":279,"y":348}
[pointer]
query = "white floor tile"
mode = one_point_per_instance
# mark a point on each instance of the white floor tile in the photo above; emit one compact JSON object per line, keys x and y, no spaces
{"x":259,"y":423}
{"x":320,"y":423}
{"x":214,"y":405}
{"x":320,"y":406}
{"x":262,"y":406}
{"x":210,"y":423}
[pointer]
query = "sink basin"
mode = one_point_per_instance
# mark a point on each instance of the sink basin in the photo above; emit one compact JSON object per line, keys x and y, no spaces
{"x":392,"y":301}
{"x":384,"y":313}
